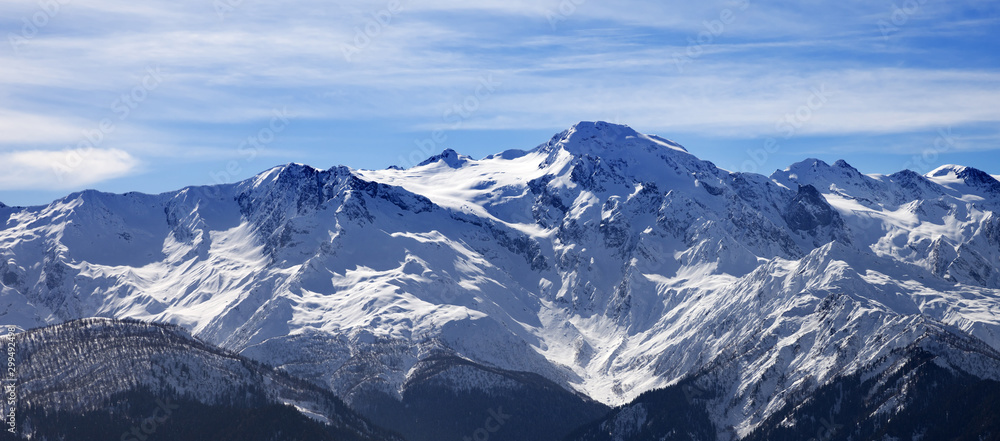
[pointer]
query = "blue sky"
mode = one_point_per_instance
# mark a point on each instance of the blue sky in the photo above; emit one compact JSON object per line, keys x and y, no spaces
{"x":156,"y":95}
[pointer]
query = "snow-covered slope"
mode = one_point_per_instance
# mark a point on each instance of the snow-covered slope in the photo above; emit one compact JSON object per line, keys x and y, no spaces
{"x":605,"y":260}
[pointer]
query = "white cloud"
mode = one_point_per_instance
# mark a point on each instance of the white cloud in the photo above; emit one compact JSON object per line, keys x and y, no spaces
{"x":62,"y":170}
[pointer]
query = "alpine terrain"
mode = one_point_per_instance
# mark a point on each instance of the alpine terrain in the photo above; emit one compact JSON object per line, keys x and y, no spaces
{"x":605,"y":285}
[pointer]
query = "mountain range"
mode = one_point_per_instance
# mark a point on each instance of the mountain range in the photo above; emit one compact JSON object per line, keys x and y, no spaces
{"x":606,"y":284}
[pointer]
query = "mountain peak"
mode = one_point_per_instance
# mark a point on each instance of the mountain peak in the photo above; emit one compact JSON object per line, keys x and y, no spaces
{"x":598,"y":138}
{"x":449,"y":156}
{"x":821,"y":175}
{"x":813,"y":162}
{"x":294,"y":168}
{"x":802,"y":170}
{"x":969,"y":175}
{"x":591,"y":128}
{"x":946,"y":170}
{"x":812,"y":166}
{"x":843,"y":164}
{"x":595,"y":136}
{"x":292,"y":171}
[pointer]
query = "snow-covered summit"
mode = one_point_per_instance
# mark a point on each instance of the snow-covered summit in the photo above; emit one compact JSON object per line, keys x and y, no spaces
{"x":603,"y":139}
{"x":821,"y":175}
{"x":973,"y":177}
{"x":449,"y":157}
{"x":946,"y":170}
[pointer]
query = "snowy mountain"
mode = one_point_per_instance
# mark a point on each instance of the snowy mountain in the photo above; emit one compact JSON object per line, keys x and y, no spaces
{"x":605,"y":262}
